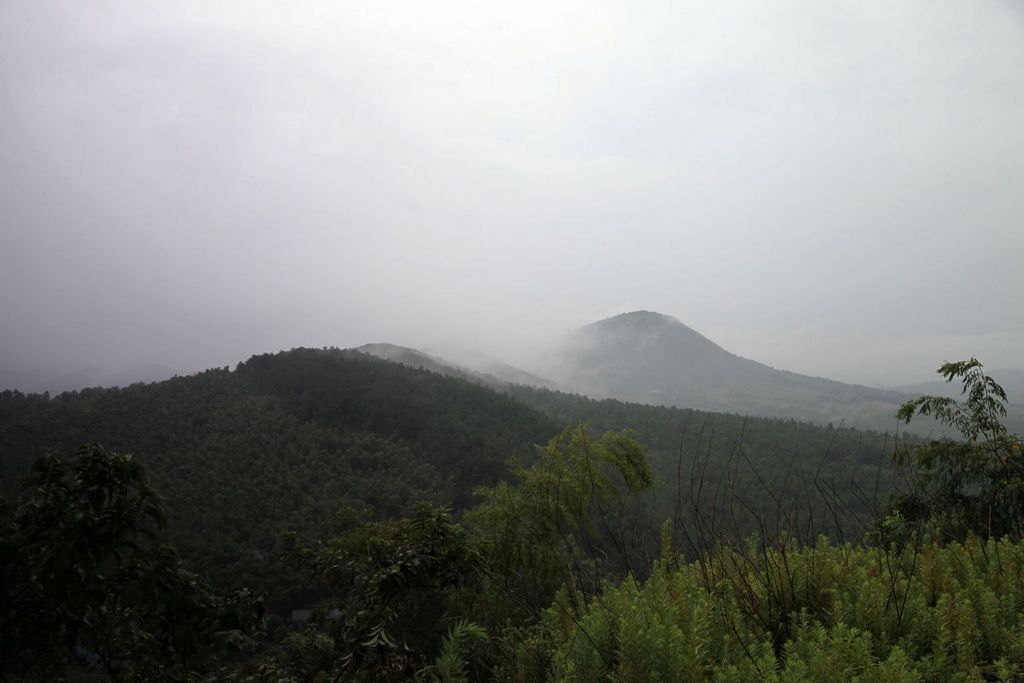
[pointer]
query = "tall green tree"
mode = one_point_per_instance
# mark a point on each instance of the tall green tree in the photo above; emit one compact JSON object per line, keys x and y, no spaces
{"x":974,"y":484}
{"x":84,"y":578}
{"x":394,"y":588}
{"x":568,"y":521}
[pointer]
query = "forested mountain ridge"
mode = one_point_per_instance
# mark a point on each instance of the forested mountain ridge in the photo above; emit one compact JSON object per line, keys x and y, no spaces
{"x":490,"y":373}
{"x":414,"y":358}
{"x":359,"y":455}
{"x":287,"y":440}
{"x":652,"y":358}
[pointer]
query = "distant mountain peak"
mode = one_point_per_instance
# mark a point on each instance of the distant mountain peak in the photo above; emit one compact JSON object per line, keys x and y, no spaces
{"x":647,"y":327}
{"x":650,"y":357}
{"x":638,"y":319}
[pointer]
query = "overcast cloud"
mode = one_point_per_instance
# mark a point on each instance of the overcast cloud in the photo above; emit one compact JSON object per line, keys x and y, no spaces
{"x":835,"y":188}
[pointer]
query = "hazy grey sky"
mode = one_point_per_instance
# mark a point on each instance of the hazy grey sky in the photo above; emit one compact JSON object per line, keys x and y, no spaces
{"x":835,"y":188}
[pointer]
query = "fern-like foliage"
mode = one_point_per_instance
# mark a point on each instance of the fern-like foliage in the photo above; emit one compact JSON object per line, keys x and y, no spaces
{"x":450,"y":666}
{"x":971,"y":486}
{"x":980,"y":411}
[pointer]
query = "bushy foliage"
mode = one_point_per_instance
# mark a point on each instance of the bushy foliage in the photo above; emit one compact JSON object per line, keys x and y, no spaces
{"x":397,"y":587}
{"x":86,"y":577}
{"x":895,"y":606}
{"x":976,"y":484}
{"x":568,"y":520}
{"x":392,"y":590}
{"x":450,"y":666}
{"x":961,"y":618}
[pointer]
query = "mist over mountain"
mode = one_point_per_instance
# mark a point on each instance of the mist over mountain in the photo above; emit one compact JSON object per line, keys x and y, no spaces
{"x":38,"y":380}
{"x":414,"y":358}
{"x":652,"y":358}
{"x":479,"y":369}
{"x":640,"y":356}
{"x":517,"y":341}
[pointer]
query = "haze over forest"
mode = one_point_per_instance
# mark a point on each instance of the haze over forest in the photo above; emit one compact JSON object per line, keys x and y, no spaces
{"x":562,"y":342}
{"x":828,"y":188}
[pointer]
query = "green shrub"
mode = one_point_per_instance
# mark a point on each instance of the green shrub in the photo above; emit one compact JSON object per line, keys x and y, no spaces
{"x":853,"y":614}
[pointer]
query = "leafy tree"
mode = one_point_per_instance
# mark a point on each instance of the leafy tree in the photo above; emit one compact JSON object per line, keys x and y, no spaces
{"x":972,"y":485}
{"x":568,"y":521}
{"x":84,"y":576}
{"x":979,"y":412}
{"x":393,"y":588}
{"x":450,"y":666}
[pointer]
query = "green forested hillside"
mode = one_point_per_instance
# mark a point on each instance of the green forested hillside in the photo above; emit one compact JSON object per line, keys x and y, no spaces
{"x":828,"y":479}
{"x":449,"y":531}
{"x":286,"y":441}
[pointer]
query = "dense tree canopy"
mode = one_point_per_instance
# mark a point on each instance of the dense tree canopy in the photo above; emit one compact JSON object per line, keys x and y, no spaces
{"x":85,"y":575}
{"x":442,"y":530}
{"x":287,"y":440}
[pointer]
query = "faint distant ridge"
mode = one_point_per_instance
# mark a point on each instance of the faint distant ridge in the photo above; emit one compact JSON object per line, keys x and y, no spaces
{"x":38,"y":381}
{"x":493,"y":373}
{"x":649,"y":357}
{"x":408,"y":356}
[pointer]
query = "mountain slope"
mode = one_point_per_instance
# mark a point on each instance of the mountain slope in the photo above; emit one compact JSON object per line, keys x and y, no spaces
{"x":414,"y":358}
{"x":289,"y":440}
{"x":285,"y":441}
{"x":488,"y":372}
{"x":653,"y":358}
